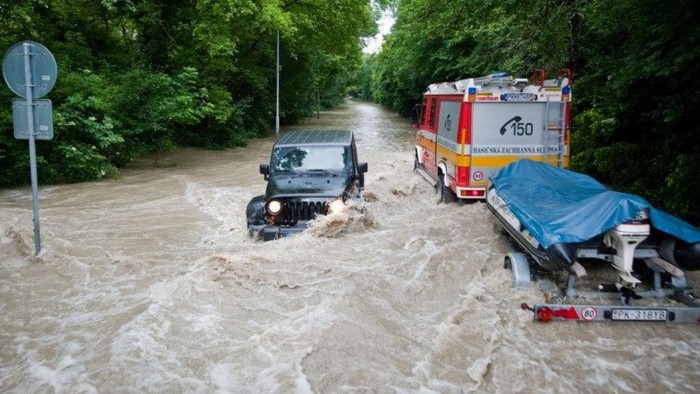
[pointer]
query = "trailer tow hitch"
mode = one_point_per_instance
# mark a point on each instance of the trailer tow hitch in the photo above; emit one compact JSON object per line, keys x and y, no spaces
{"x":626,"y":294}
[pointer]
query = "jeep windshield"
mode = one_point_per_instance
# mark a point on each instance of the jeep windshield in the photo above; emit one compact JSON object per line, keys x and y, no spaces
{"x":311,"y":159}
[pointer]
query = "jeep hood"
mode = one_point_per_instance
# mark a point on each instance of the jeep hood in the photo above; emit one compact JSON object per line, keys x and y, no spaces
{"x":307,"y":185}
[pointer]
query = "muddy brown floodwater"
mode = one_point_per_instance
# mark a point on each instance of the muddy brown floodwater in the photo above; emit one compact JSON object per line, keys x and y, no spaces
{"x":150,"y":283}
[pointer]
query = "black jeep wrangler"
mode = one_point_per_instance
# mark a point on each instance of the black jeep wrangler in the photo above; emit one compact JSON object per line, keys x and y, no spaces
{"x":310,"y":173}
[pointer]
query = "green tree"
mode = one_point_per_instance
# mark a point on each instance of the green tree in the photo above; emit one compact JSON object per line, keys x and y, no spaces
{"x":636,"y":127}
{"x":440,"y":40}
{"x":141,"y":76}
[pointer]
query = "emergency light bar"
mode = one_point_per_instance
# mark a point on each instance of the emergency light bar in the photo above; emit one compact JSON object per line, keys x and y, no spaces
{"x":566,"y":93}
{"x":471,"y":93}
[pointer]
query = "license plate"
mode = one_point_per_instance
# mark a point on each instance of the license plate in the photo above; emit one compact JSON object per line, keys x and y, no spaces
{"x":640,"y":314}
{"x":519,"y":97}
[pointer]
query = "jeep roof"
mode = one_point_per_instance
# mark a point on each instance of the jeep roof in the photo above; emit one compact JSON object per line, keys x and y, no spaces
{"x":316,"y":137}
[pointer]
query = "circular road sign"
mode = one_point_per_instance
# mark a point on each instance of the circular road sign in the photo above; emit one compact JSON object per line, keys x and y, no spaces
{"x":42,"y":65}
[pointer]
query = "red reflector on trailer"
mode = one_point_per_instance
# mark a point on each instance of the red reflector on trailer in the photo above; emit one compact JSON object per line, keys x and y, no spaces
{"x":544,"y":314}
{"x":567,"y":313}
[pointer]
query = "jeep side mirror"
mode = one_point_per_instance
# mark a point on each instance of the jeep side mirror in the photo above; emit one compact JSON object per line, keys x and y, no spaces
{"x":362,"y":168}
{"x":265,"y":170}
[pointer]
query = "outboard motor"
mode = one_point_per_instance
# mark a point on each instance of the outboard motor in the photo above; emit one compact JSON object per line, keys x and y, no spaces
{"x":625,"y":238}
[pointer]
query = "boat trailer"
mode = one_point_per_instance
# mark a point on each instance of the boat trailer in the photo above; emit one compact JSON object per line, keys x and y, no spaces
{"x":682,"y":305}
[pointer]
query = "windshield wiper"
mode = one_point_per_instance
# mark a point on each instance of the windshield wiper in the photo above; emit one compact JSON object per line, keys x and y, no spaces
{"x":324,"y":171}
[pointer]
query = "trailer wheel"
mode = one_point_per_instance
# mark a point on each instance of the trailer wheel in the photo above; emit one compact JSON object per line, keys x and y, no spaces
{"x":520,"y":269}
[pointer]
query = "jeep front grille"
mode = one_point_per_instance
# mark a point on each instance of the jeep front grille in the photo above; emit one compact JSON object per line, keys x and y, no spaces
{"x":294,"y":211}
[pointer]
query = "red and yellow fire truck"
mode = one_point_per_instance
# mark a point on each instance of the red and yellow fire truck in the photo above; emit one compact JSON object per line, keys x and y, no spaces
{"x":468,"y":129}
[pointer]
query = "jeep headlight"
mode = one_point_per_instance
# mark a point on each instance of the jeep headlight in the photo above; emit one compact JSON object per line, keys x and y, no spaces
{"x":274,"y":207}
{"x":336,"y":206}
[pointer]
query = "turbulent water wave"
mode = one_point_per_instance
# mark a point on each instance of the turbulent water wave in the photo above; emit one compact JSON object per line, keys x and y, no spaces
{"x":16,"y":242}
{"x":17,"y":247}
{"x":355,"y":216}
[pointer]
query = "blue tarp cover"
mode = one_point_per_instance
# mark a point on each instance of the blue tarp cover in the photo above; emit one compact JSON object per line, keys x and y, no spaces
{"x":558,"y":205}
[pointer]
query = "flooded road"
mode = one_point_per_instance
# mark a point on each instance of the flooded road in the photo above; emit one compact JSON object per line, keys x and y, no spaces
{"x":150,"y":283}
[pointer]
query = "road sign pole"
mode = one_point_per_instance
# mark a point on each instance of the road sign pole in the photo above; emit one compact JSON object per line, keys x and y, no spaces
{"x":32,"y":145}
{"x":30,"y":65}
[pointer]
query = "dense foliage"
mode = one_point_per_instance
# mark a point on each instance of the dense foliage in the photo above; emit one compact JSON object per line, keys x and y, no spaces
{"x":140,"y":76}
{"x":635,"y":65}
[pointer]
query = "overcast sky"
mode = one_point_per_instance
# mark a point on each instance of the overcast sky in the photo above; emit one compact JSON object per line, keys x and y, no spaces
{"x":374,"y":44}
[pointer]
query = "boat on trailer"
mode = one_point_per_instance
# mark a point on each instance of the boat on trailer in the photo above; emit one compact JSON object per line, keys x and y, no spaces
{"x":559,"y":218}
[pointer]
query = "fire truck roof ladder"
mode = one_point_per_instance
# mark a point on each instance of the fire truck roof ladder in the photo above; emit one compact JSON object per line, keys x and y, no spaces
{"x":555,"y":121}
{"x":538,"y":77}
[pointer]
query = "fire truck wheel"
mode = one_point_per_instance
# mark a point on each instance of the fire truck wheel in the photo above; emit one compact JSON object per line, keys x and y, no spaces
{"x":446,"y":195}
